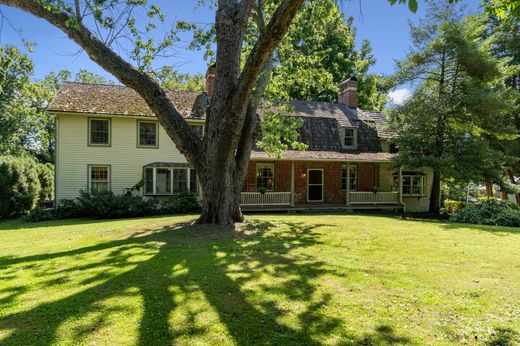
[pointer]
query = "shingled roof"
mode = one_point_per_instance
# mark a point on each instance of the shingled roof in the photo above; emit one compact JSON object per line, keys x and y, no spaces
{"x":119,"y":100}
{"x":322,"y":121}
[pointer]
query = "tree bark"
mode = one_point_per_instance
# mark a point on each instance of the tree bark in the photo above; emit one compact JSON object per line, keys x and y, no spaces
{"x":221,"y":158}
{"x":489,"y":190}
{"x":435,"y":198}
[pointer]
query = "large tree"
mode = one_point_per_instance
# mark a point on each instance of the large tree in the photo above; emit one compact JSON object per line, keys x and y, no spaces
{"x":222,"y":156}
{"x":460,"y":99}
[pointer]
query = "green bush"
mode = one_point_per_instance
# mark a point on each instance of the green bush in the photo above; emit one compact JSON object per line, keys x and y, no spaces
{"x":452,"y":207}
{"x":490,"y":212}
{"x":181,"y":204}
{"x":46,"y":177}
{"x":107,"y":205}
{"x":19,"y":186}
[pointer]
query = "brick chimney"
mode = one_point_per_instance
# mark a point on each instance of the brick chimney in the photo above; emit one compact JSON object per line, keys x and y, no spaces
{"x":348,"y":92}
{"x":210,"y":79}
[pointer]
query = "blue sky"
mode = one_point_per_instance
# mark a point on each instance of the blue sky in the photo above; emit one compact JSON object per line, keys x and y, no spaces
{"x":385,"y":26}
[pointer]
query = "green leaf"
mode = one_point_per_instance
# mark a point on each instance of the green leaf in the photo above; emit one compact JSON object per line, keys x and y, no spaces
{"x":412,"y":5}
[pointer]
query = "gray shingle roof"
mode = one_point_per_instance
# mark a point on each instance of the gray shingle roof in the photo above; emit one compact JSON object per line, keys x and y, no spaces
{"x":325,"y":155}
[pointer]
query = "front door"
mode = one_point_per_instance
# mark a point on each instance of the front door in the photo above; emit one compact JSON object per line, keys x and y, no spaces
{"x":315,"y":185}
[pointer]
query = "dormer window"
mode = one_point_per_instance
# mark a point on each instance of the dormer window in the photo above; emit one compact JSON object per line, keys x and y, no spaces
{"x":349,"y":138}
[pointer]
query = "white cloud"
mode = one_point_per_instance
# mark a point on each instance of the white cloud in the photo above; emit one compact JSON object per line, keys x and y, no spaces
{"x":398,"y":96}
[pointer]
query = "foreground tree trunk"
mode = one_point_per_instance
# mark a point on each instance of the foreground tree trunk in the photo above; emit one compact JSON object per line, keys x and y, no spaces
{"x":221,"y":158}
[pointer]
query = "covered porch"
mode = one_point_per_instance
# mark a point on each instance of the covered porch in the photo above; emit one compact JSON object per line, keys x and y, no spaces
{"x":305,"y":185}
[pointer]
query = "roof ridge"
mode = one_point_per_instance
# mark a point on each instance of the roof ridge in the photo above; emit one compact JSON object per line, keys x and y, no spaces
{"x":127,"y":87}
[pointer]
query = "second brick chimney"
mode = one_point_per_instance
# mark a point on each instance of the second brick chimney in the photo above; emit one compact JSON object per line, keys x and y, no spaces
{"x":348,"y":92}
{"x":210,"y":79}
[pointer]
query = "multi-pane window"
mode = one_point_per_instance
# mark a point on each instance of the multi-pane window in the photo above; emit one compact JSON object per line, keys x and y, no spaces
{"x":162,"y":181}
{"x":265,"y":176}
{"x":148,"y":180}
{"x":99,"y":131}
{"x":198,"y":128}
{"x":353,"y":178}
{"x":99,"y":178}
{"x":169,"y":180}
{"x":147,"y":133}
{"x":414,"y":183}
{"x":180,"y":180}
{"x":349,"y":139}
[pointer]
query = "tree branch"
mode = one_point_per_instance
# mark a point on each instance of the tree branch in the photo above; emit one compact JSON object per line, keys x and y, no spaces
{"x":264,"y":47}
{"x":173,"y":122}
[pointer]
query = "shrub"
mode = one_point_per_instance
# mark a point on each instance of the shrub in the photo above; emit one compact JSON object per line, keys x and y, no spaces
{"x":490,"y":212}
{"x":19,"y":186}
{"x":46,"y":178}
{"x":181,"y":204}
{"x":107,"y":205}
{"x":452,"y":207}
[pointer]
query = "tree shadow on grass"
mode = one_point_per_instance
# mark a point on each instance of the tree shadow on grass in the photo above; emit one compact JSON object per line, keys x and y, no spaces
{"x":236,"y":273}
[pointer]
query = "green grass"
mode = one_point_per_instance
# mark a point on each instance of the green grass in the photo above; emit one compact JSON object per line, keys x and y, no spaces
{"x":284,"y":279}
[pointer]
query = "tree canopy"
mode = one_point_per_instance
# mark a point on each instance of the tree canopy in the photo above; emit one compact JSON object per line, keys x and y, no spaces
{"x":460,"y":100}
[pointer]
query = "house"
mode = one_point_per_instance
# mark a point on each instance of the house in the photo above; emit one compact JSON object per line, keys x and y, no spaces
{"x":108,"y":139}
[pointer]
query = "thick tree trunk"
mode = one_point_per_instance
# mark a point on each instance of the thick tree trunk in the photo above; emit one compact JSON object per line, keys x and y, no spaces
{"x":435,"y":198}
{"x":221,"y":199}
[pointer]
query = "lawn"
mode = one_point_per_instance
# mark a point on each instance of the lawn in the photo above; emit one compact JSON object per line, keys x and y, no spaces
{"x":282,"y":280}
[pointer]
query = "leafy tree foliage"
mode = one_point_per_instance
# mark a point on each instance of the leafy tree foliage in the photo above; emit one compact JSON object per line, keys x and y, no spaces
{"x":460,"y":98}
{"x":170,"y":78}
{"x":313,"y":59}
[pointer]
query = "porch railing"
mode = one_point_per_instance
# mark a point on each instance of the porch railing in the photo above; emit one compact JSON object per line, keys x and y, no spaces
{"x":373,"y":198}
{"x":268,"y":198}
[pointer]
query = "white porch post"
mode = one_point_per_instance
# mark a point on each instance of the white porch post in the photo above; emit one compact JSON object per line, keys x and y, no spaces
{"x":401,"y":187}
{"x":347,"y":196}
{"x":292,"y":183}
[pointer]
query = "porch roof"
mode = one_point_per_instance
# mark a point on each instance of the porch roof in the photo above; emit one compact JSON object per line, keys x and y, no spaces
{"x":315,"y":155}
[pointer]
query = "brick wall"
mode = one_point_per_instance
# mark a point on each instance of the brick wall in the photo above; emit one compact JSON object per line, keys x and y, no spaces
{"x":282,"y":172}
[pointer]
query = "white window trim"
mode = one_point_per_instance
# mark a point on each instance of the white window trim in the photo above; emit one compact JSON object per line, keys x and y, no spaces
{"x":139,"y":145}
{"x":353,"y":167}
{"x":90,"y":132}
{"x":422,"y":184}
{"x":355,"y":138}
{"x":264,"y":165}
{"x":154,"y":181}
{"x":109,"y":176}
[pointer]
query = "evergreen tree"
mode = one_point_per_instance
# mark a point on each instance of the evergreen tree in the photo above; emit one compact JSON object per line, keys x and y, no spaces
{"x":460,"y":98}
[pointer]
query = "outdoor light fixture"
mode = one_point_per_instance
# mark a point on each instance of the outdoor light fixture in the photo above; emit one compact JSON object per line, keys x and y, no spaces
{"x":304,"y":174}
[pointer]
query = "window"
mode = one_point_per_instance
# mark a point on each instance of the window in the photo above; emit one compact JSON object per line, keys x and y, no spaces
{"x":99,"y":178}
{"x":169,"y":180}
{"x":147,"y":133}
{"x":193,"y":181}
{"x":414,"y":183}
{"x":198,"y":128}
{"x":265,"y":176}
{"x":163,"y":181}
{"x":180,"y":180}
{"x":353,"y":178}
{"x":99,"y":132}
{"x":148,"y":181}
{"x":349,"y":139}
